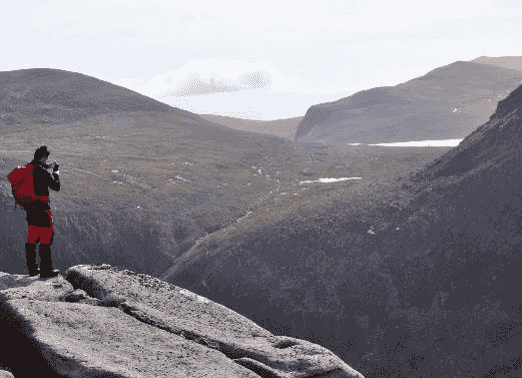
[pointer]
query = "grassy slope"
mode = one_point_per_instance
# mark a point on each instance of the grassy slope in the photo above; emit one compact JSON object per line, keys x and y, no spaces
{"x":447,"y":102}
{"x":176,"y":170}
{"x":308,"y":267}
{"x":283,"y":128}
{"x":429,"y":290}
{"x":188,"y":180}
{"x":419,"y":273}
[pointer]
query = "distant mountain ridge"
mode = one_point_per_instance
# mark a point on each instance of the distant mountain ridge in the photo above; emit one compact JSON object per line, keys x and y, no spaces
{"x":49,"y":96}
{"x":284,"y":128}
{"x":512,"y":62}
{"x":448,"y":102}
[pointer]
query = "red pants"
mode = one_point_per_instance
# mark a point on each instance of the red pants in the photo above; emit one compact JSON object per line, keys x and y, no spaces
{"x":45,"y":234}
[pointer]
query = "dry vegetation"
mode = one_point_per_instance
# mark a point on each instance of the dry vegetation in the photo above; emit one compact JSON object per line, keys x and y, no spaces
{"x":138,"y":189}
{"x":382,"y":271}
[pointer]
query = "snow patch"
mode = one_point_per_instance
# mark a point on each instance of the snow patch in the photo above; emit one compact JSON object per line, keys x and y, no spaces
{"x":423,"y":143}
{"x":327,"y":180}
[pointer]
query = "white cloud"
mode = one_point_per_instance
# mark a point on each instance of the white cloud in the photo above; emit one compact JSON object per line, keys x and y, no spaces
{"x":196,"y":86}
{"x":211,"y":76}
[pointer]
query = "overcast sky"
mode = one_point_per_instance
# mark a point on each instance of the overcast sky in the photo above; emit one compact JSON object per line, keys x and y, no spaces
{"x":261,"y":60}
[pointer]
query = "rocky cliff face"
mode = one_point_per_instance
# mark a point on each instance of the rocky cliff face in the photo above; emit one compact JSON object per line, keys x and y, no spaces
{"x":448,"y":102}
{"x":101,"y":321}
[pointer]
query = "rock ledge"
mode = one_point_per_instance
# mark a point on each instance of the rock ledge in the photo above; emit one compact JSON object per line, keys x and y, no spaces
{"x":103,"y":321}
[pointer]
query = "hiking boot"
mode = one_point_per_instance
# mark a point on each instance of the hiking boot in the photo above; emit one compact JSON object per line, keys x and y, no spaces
{"x":49,"y":274}
{"x":30,"y":255}
{"x":46,"y":264}
{"x":34,"y":272}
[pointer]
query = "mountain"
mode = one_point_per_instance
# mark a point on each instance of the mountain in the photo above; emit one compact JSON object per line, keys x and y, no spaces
{"x":102,"y":321}
{"x":283,"y":128}
{"x":141,"y":181}
{"x":448,"y":102}
{"x":418,"y":280}
{"x":50,"y":96}
{"x":511,"y":62}
{"x":396,"y":276}
{"x":140,"y":188}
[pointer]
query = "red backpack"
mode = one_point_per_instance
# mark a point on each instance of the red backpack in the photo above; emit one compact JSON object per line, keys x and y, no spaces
{"x":21,"y":179}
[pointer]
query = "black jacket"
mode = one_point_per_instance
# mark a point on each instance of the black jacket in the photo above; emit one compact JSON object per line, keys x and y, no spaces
{"x":42,"y":181}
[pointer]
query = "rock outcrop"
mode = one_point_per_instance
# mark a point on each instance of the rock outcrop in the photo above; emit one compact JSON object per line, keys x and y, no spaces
{"x":5,"y":374}
{"x":102,"y":321}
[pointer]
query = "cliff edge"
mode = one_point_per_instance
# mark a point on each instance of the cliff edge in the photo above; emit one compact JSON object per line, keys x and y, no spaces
{"x":103,"y":321}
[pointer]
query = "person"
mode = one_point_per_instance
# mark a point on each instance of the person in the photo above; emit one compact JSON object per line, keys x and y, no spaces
{"x":39,"y":217}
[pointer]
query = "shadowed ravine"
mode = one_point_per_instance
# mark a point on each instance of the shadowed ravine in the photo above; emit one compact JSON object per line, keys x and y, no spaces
{"x":432,"y":281}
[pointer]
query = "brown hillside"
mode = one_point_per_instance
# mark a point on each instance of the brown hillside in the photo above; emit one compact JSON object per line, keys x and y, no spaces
{"x":138,"y":186}
{"x":392,"y":288}
{"x":512,"y":62}
{"x":49,"y":96}
{"x":284,"y":128}
{"x":448,"y":102}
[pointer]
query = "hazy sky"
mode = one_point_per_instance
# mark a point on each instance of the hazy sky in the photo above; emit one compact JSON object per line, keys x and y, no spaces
{"x":261,"y":60}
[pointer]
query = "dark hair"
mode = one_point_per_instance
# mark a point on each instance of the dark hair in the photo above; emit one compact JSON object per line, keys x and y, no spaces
{"x":41,"y":152}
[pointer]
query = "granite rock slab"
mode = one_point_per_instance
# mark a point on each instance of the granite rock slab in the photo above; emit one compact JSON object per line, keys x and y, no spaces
{"x":103,"y":321}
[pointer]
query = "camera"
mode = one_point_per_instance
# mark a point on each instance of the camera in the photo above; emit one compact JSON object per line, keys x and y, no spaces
{"x":54,"y":165}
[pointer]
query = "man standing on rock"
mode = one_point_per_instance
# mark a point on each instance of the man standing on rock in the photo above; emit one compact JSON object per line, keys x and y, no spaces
{"x":39,"y":216}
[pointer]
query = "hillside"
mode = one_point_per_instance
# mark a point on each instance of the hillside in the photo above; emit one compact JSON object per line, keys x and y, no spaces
{"x":50,"y":96}
{"x":417,"y":280}
{"x":283,"y":128}
{"x":140,"y":188}
{"x":137,"y":188}
{"x":240,"y":218}
{"x":511,"y":62}
{"x":448,"y":102}
{"x":141,"y":181}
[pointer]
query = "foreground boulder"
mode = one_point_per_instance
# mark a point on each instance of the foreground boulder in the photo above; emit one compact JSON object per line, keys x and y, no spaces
{"x":5,"y":373}
{"x":105,"y":321}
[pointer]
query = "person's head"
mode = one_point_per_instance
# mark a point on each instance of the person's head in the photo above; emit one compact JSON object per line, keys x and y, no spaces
{"x":41,"y":154}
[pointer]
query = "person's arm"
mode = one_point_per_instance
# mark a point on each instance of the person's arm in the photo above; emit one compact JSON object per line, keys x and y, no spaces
{"x":53,"y":181}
